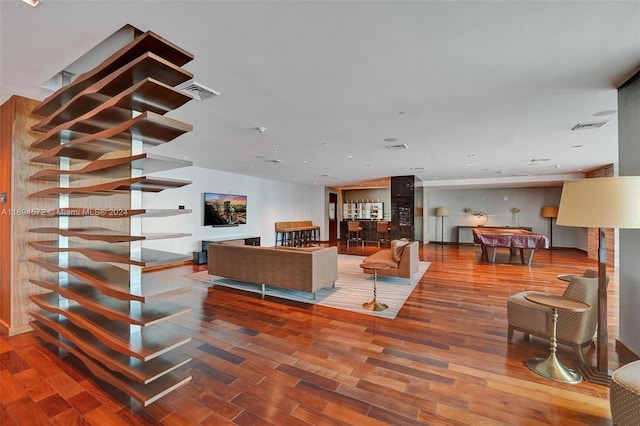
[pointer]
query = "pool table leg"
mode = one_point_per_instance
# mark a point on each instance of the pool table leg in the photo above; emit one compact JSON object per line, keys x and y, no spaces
{"x":491,"y":254}
{"x":526,"y":256}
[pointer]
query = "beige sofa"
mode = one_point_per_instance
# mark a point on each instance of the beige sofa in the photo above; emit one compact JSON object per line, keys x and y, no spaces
{"x":408,"y":265}
{"x":306,"y":269}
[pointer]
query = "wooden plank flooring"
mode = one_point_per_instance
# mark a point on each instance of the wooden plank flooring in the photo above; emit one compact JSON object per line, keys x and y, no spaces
{"x":443,"y":361}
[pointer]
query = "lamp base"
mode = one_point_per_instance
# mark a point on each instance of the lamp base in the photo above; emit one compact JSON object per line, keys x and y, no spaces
{"x":592,"y":374}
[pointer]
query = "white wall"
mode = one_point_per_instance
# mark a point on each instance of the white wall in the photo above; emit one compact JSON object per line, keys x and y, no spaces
{"x":267,"y":202}
{"x":492,"y":201}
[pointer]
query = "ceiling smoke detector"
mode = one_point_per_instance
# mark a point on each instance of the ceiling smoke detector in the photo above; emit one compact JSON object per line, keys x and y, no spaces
{"x":592,"y":125}
{"x":397,"y":147}
{"x":196,"y":90}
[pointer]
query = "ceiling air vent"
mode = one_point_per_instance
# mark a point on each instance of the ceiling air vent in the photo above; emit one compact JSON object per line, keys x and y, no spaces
{"x":397,"y":147}
{"x":593,"y":125}
{"x":196,"y":90}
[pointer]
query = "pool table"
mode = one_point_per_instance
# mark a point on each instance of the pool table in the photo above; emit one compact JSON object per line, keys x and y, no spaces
{"x":513,"y":239}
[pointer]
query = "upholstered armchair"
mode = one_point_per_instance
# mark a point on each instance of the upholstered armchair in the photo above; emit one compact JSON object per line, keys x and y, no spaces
{"x":575,"y":329}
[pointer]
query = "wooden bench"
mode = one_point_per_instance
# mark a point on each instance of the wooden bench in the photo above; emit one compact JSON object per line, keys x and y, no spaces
{"x":297,"y":233}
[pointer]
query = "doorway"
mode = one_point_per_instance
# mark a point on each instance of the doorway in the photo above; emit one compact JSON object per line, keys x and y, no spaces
{"x":333,"y":219}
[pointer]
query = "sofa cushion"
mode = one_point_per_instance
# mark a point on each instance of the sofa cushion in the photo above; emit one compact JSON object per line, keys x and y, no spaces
{"x":382,"y":256}
{"x":397,"y":246}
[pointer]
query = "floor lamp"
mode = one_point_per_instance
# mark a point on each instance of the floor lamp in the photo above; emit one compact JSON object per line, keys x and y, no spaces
{"x":441,"y":212}
{"x":550,"y":212}
{"x":610,"y":202}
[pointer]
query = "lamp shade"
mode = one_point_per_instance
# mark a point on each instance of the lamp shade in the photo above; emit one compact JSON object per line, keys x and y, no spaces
{"x":609,"y":202}
{"x":549,"y":211}
{"x":442,"y":211}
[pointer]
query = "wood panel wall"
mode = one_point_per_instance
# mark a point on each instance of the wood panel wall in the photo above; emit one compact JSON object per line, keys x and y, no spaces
{"x":593,"y":235}
{"x":20,"y":214}
{"x":6,"y":167}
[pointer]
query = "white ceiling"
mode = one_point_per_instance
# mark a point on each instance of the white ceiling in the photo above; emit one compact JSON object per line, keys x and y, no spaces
{"x":476,"y":90}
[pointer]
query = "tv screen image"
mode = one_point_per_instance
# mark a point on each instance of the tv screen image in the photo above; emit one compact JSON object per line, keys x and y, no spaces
{"x":224,"y":209}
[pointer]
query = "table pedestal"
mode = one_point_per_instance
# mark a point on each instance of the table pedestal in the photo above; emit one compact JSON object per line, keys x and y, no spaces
{"x":551,"y":367}
{"x":374,"y":305}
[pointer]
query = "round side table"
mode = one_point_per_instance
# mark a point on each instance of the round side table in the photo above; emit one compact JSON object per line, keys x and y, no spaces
{"x":551,"y":367}
{"x":374,"y":305}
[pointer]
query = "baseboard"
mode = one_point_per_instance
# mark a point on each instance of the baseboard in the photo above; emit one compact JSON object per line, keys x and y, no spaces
{"x":13,"y":331}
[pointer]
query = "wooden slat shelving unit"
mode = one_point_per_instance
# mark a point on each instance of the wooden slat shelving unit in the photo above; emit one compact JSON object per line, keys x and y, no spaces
{"x":100,"y":307}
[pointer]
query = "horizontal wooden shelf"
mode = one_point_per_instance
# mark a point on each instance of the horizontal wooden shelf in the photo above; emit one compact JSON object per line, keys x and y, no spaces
{"x":111,"y":252}
{"x":114,"y":168}
{"x":97,"y":251}
{"x":84,"y":141}
{"x":142,"y":183}
{"x":114,"y":281}
{"x":134,"y":369}
{"x":145,"y":394}
{"x":113,"y":213}
{"x":145,"y":344}
{"x":147,"y":42}
{"x":152,"y":257}
{"x":104,"y":234}
{"x":148,"y":65}
{"x":130,"y":312}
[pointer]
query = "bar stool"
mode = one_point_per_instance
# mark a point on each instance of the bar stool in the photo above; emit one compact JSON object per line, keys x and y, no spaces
{"x":354,"y":228}
{"x":382,"y":228}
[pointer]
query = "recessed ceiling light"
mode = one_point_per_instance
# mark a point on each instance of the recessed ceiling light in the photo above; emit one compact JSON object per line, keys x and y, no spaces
{"x":349,"y":156}
{"x":325,"y":144}
{"x":33,"y":3}
{"x":304,"y":161}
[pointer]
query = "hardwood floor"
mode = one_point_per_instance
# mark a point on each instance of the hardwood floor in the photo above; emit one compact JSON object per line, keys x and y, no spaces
{"x":444,"y":360}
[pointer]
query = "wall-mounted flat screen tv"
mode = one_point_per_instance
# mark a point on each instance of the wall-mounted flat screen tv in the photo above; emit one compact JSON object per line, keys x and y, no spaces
{"x":224,"y":209}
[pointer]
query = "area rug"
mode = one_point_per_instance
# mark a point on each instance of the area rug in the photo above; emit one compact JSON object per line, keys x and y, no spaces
{"x":353,"y":287}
